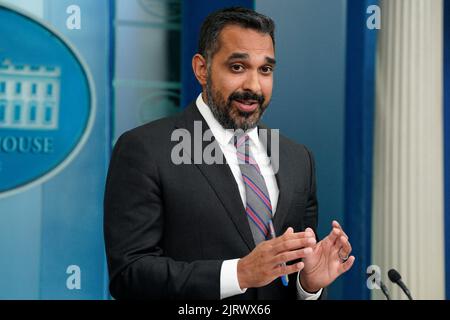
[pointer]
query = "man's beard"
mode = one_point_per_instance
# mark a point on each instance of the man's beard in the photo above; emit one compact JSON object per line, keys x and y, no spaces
{"x":230,"y":117}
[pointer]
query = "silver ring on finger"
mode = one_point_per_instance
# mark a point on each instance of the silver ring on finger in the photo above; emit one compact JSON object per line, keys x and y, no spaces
{"x":343,"y":259}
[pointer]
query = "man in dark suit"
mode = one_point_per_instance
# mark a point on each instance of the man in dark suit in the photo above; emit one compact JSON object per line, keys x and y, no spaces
{"x":211,"y":204}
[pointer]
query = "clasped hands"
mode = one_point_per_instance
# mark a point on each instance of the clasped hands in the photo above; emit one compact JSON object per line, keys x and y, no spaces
{"x":322,"y":262}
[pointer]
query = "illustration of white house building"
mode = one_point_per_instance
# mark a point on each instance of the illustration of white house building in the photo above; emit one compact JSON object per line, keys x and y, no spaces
{"x":29,"y":96}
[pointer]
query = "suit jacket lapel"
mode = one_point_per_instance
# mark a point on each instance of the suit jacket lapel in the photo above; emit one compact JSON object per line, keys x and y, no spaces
{"x":286,"y":186}
{"x":219,"y":176}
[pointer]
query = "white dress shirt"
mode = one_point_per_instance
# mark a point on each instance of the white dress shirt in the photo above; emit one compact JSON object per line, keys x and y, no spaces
{"x":229,"y":284}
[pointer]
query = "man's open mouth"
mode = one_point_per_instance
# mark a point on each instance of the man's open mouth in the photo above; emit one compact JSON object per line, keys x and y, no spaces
{"x":246,"y":105}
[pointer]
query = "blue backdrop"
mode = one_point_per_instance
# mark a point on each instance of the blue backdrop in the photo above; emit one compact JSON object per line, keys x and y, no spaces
{"x":58,"y":224}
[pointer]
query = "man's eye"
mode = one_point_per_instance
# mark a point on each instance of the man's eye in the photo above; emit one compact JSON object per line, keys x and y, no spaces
{"x":237,"y":67}
{"x":267,"y":69}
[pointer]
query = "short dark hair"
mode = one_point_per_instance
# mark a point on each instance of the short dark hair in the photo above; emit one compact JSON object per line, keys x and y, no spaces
{"x":208,"y":43}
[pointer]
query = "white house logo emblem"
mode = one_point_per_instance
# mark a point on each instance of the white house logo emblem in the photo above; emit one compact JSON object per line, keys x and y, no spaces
{"x":46,"y":102}
{"x":29,"y":96}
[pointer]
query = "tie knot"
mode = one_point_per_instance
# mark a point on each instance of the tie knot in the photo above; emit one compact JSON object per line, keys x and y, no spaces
{"x":240,"y":139}
{"x":244,"y":155}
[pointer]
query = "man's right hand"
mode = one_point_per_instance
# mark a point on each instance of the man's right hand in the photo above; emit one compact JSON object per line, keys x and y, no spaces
{"x":267,"y":261}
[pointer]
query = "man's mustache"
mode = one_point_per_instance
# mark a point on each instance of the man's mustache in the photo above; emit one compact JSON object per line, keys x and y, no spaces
{"x":247,"y":96}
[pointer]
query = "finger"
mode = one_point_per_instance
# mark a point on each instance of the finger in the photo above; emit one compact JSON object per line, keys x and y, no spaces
{"x":345,"y":246}
{"x":284,"y":269}
{"x":274,"y":241}
{"x":310,"y":231}
{"x":288,"y":236}
{"x":344,"y":267}
{"x":336,"y":224}
{"x":292,"y":244}
{"x":334,"y":235}
{"x":289,"y":230}
{"x":291,"y":255}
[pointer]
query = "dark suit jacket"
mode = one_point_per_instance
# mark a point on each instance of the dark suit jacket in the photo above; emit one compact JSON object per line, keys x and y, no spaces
{"x":169,"y":227}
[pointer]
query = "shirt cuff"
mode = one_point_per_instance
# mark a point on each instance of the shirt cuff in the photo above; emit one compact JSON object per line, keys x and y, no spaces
{"x":303,"y":295}
{"x":229,"y":283}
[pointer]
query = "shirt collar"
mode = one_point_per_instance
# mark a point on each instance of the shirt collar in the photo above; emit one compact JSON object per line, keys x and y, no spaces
{"x":222,"y":135}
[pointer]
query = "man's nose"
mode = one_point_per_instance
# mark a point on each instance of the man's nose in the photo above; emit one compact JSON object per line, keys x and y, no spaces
{"x":252,"y":82}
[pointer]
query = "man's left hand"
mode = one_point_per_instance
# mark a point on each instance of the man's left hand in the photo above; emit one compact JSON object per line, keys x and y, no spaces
{"x":330,"y":258}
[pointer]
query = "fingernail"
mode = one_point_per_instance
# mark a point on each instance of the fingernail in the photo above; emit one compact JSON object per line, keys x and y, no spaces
{"x":308,"y":250}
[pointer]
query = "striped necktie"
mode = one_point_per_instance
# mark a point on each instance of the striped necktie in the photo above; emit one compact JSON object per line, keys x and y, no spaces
{"x":258,"y":206}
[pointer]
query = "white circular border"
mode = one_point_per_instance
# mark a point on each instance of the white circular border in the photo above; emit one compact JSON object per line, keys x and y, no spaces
{"x":75,"y":151}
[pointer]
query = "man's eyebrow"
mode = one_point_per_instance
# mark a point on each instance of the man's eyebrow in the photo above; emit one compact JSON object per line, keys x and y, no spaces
{"x":271,"y":60}
{"x":238,"y":56}
{"x":245,"y":56}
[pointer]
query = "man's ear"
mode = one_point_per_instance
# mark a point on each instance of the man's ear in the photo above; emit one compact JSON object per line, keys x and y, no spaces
{"x":200,"y":69}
